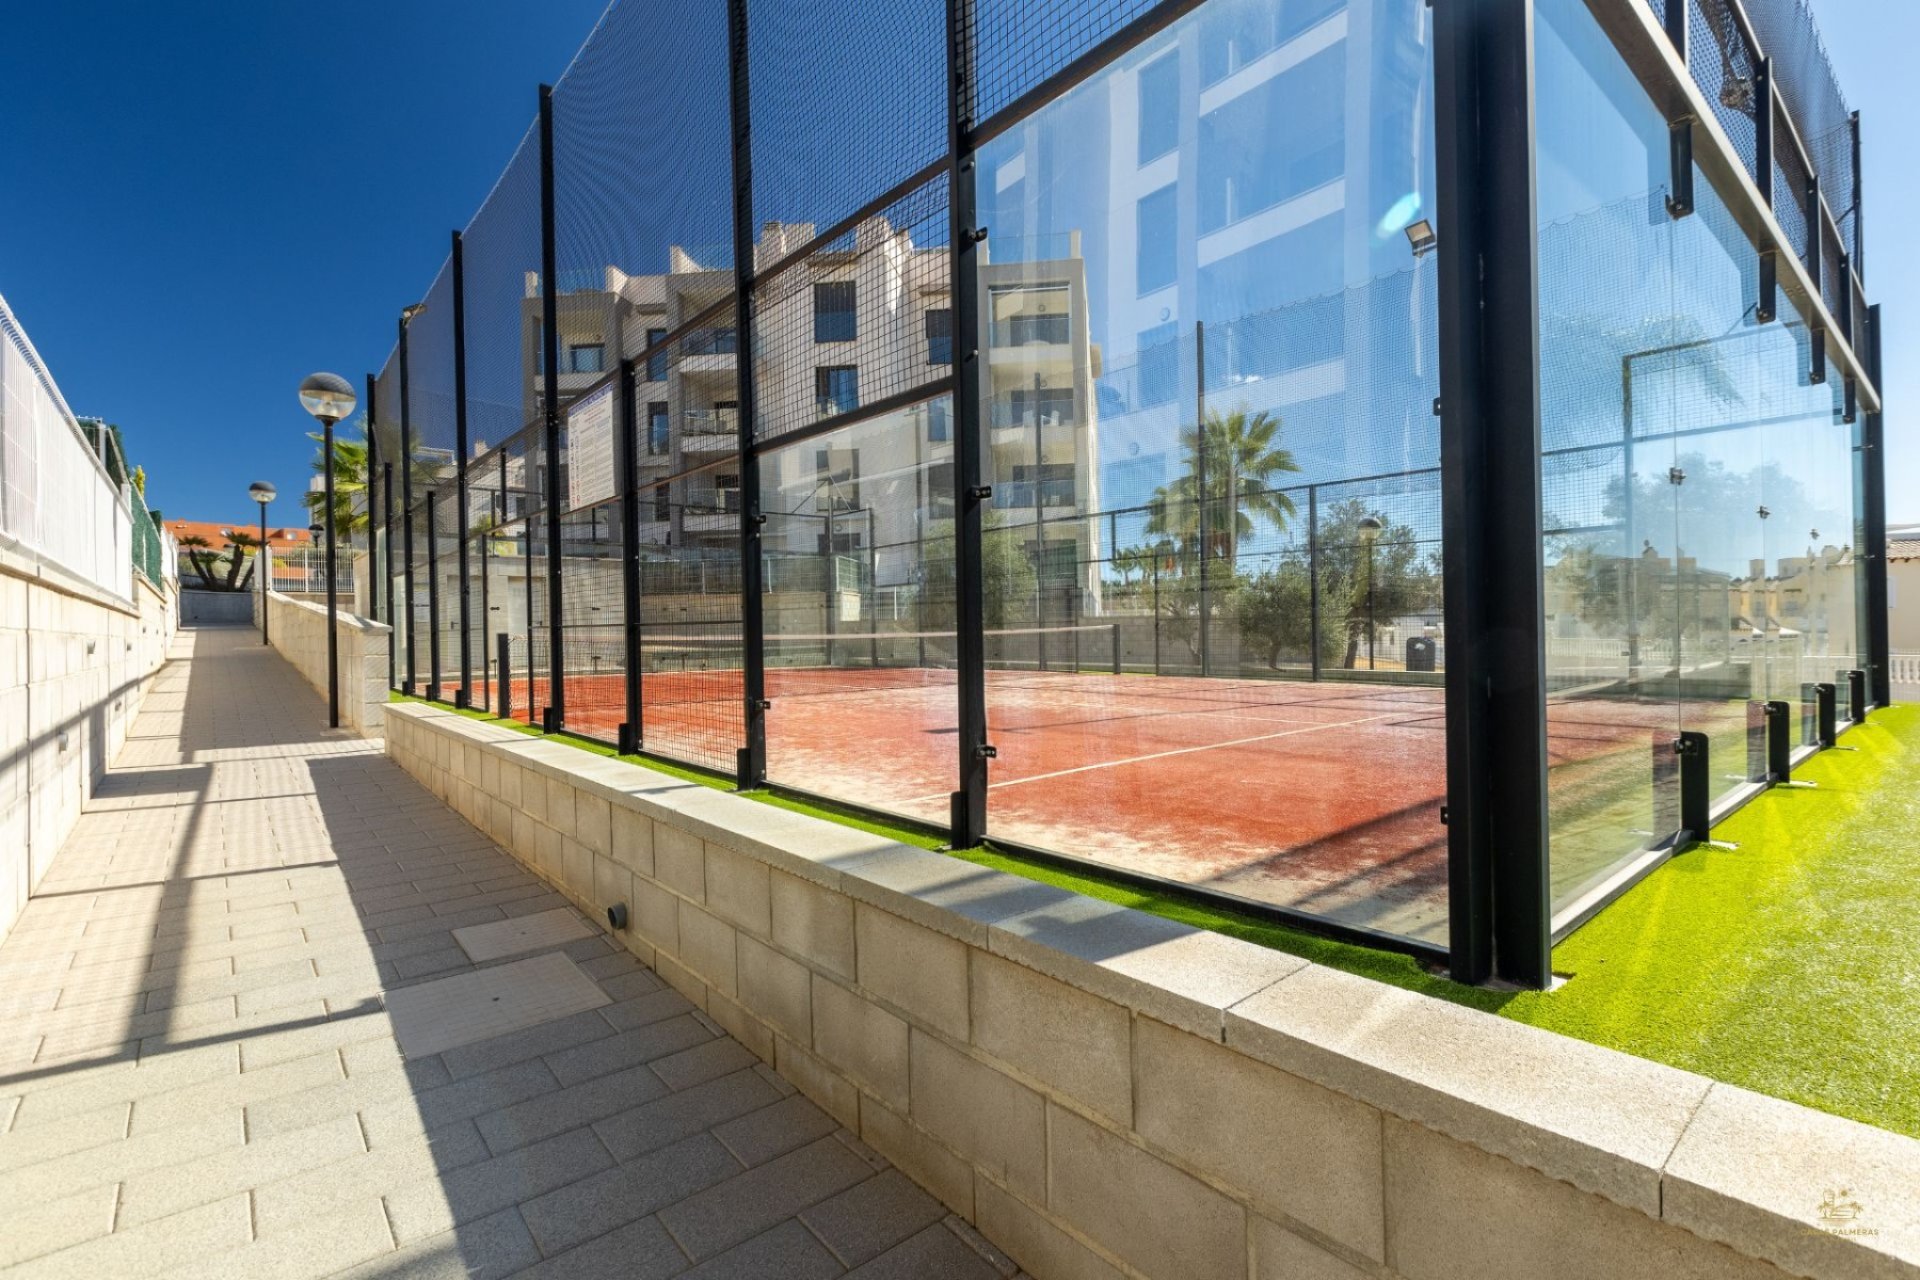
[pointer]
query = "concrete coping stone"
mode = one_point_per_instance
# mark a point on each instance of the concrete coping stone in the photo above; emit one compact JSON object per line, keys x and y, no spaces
{"x":1743,"y":1169}
{"x":342,"y":617}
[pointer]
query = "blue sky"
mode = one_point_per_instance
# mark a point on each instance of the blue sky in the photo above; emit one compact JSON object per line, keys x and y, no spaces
{"x":208,"y":201}
{"x":201,"y":203}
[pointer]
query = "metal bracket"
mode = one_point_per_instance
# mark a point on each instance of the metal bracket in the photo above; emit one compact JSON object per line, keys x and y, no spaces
{"x":987,"y":751}
{"x":980,"y":492}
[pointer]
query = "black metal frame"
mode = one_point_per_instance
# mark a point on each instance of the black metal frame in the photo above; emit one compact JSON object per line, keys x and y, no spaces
{"x":406,"y":500}
{"x":969,"y":803}
{"x":554,"y":714}
{"x":1500,"y":913}
{"x":751,"y":761}
{"x":463,"y":696}
{"x":1495,"y":811}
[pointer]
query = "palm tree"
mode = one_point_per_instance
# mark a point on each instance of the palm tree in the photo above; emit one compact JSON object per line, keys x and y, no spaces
{"x":349,"y":482}
{"x":237,"y":546}
{"x":200,"y":557}
{"x":1242,"y":458}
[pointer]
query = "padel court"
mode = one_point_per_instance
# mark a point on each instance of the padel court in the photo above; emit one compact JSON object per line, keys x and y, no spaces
{"x":1320,"y":796}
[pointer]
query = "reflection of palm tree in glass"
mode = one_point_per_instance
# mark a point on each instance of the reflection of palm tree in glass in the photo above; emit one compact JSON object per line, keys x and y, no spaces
{"x":1240,"y":458}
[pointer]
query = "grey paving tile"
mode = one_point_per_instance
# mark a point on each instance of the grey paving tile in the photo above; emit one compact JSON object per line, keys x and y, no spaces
{"x":438,"y":1203}
{"x":681,"y":1115}
{"x":703,"y":1062}
{"x":627,"y":1049}
{"x":534,"y":1042}
{"x":787,"y":1252}
{"x":484,"y":1249}
{"x":557,"y":1110}
{"x":866,"y":1220}
{"x":630,"y":1191}
{"x":743,"y":1206}
{"x":478,"y":1095}
{"x":654,"y":1006}
{"x":638,"y":1251}
{"x":774,"y":1130}
{"x":934,"y":1251}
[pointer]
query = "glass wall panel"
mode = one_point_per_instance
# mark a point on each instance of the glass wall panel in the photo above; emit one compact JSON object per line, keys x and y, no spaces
{"x":1213,"y":555}
{"x":859,"y":595}
{"x":1688,"y":469}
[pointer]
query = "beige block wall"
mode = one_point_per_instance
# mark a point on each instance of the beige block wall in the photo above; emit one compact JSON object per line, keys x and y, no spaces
{"x":74,"y":668}
{"x":1108,"y":1094}
{"x":298,"y":629}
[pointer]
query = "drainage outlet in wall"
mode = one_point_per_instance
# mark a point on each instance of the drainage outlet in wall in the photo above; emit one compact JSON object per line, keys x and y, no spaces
{"x":617,"y":917}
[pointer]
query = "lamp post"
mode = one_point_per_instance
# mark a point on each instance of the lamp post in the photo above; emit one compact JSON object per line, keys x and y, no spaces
{"x":329,"y":397}
{"x":263,"y":493}
{"x":1370,"y":527}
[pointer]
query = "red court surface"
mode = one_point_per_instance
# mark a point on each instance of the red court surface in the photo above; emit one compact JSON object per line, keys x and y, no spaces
{"x":1323,"y":797}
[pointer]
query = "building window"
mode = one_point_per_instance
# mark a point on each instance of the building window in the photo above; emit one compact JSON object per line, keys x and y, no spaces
{"x":1049,"y":406}
{"x":836,"y":388}
{"x":939,"y":422}
{"x":834,"y":319}
{"x":657,"y":428}
{"x":656,"y":363}
{"x":1245,"y":165}
{"x":662,"y":502}
{"x":726,"y":493}
{"x":587,"y":357}
{"x":1157,"y":243}
{"x":1159,"y":369}
{"x":1159,"y":107}
{"x":940,"y":335}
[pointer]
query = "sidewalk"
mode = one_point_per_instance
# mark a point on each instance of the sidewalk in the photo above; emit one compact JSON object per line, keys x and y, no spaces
{"x":199,"y":1073}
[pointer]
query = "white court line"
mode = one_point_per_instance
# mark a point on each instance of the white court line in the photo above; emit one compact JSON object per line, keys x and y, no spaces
{"x":1162,"y":755}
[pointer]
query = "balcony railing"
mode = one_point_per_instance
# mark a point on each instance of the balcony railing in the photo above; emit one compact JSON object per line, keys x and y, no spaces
{"x":1016,"y":494}
{"x":1032,"y":331}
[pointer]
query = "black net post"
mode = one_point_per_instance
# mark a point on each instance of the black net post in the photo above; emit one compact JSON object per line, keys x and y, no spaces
{"x":503,"y":696}
{"x":555,"y":714}
{"x":1856,"y":697}
{"x":752,"y":755}
{"x":433,"y":603}
{"x":1822,"y":702}
{"x":1779,"y":741}
{"x":1200,"y":491}
{"x":1816,"y":253}
{"x":463,"y":696}
{"x":969,"y":804}
{"x":1695,"y":786}
{"x":406,"y":495}
{"x":1313,"y":578}
{"x":486,"y":676}
{"x":627,"y":444}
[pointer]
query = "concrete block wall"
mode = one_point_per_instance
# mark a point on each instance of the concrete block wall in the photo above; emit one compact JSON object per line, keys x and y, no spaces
{"x":1109,"y":1094}
{"x":75,"y":665}
{"x":298,"y":629}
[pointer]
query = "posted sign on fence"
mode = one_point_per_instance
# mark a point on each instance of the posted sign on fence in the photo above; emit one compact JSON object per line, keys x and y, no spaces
{"x":590,"y":450}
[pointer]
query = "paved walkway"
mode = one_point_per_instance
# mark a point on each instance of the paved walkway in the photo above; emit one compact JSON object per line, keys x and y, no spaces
{"x":198,"y":1075}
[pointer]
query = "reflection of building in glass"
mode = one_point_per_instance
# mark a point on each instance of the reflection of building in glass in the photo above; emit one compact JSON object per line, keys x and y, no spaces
{"x":857,"y":326}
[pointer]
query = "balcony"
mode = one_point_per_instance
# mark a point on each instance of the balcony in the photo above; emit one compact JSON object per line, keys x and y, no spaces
{"x":1019,"y":495}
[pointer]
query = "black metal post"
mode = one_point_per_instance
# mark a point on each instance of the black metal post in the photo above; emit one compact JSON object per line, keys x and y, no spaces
{"x":265,"y":558}
{"x":1859,"y":205}
{"x":1856,"y":697}
{"x":1039,"y":533}
{"x":1695,"y":794}
{"x":1763,"y":129}
{"x":1369,"y":604}
{"x":751,"y":759}
{"x":1313,"y":579}
{"x":628,"y":445}
{"x":333,"y":603}
{"x":1874,"y":504}
{"x":1816,"y":262}
{"x":386,"y":493}
{"x":1779,"y":741}
{"x":1826,"y":712}
{"x":406,"y":499}
{"x":1496,"y":814}
{"x":1200,"y":490}
{"x":374,"y":541}
{"x":969,"y":807}
{"x":463,"y":696}
{"x":555,"y":715}
{"x":486,"y":674}
{"x":503,"y":699}
{"x":433,"y":603}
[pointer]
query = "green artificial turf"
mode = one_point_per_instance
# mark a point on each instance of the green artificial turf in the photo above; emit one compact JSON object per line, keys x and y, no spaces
{"x":1790,"y":965}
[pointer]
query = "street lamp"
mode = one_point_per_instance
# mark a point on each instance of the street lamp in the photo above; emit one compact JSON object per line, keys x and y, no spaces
{"x":1370,"y":527}
{"x":263,"y":493}
{"x":329,"y":397}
